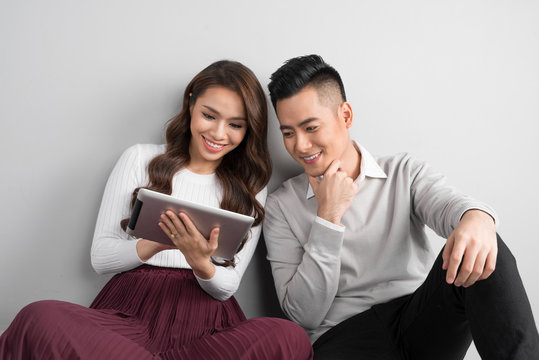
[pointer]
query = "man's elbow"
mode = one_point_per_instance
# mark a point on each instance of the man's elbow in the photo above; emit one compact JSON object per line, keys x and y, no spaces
{"x":305,"y":319}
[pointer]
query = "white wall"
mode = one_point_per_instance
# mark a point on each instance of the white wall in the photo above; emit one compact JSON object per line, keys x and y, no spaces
{"x":453,"y":82}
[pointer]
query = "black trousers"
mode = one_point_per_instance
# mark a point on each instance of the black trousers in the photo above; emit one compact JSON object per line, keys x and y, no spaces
{"x":438,"y":321}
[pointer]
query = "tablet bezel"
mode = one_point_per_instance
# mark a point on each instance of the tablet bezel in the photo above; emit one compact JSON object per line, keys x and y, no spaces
{"x":151,"y":204}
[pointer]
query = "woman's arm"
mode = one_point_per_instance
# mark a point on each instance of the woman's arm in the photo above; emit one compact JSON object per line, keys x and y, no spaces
{"x":226,"y":280}
{"x":113,"y":250}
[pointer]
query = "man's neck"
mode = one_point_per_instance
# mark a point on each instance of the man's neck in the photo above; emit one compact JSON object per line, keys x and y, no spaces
{"x":352,"y":161}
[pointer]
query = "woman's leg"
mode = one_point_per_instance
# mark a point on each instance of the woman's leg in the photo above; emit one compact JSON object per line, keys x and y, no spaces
{"x":60,"y":330}
{"x":256,"y":339}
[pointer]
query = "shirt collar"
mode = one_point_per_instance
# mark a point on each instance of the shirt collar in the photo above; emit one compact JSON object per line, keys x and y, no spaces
{"x":368,"y":168}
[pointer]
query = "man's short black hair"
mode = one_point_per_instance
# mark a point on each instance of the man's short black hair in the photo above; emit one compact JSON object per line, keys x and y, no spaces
{"x":303,"y":71}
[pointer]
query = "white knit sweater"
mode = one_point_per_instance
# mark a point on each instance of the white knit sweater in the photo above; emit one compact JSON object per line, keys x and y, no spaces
{"x":115,"y":251}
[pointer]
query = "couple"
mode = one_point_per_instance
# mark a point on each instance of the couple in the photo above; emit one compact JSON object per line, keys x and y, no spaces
{"x":350,"y":259}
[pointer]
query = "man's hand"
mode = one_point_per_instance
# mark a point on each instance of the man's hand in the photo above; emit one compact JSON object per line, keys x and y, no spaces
{"x":473,"y":247}
{"x":334,"y":193}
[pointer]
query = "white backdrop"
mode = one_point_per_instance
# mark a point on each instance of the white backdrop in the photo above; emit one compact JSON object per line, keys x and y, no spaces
{"x":453,"y":82}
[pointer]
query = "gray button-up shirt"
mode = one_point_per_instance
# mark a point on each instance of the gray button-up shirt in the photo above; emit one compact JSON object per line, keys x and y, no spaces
{"x":325,"y":273}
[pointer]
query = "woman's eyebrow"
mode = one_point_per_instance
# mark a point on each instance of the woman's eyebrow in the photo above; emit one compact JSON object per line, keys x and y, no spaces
{"x":219,"y":114}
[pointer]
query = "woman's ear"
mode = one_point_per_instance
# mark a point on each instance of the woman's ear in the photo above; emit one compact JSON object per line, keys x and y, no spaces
{"x":347,"y":115}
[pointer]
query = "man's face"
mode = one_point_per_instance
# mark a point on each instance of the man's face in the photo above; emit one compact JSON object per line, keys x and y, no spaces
{"x":314,"y":134}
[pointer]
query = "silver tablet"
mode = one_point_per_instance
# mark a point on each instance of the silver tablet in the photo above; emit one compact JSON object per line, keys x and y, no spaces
{"x":151,"y":204}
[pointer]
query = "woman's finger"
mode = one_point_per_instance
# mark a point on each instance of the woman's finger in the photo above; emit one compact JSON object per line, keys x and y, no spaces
{"x":189,"y":226}
{"x":172,"y":236}
{"x":168,"y":223}
{"x":214,"y":240}
{"x":178,"y":224}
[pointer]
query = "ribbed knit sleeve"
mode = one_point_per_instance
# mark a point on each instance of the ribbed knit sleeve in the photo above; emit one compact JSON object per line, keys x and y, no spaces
{"x":112,"y":249}
{"x":226,"y":280}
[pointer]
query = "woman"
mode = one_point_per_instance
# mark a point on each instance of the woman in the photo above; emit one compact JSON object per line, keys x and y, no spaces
{"x":166,"y":302}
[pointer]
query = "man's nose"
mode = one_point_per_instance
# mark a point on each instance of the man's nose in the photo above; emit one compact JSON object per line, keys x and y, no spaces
{"x":303,"y":143}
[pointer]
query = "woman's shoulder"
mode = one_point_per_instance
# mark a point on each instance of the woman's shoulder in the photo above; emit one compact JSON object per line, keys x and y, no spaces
{"x":144,"y":151}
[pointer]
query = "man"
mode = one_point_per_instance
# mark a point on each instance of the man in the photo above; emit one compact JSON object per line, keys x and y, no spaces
{"x":349,"y":255}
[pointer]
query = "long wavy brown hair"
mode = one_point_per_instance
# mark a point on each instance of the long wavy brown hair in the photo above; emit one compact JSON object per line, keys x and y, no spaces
{"x":244,"y":171}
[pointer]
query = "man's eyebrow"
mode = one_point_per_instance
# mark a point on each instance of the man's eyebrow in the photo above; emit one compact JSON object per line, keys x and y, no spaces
{"x":308,"y":120}
{"x":219,"y":114}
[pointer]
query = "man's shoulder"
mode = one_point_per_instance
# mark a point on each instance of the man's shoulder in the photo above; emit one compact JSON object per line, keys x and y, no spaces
{"x":397,"y":163}
{"x":294,"y":187}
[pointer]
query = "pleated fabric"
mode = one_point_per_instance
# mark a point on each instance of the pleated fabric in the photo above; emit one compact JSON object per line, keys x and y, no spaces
{"x":150,"y":313}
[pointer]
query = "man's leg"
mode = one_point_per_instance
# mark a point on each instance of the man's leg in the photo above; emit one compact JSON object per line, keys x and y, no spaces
{"x":362,"y":336}
{"x":437,"y":321}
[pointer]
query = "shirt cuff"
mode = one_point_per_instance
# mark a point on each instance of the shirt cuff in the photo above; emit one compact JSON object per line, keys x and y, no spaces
{"x":325,"y":239}
{"x":329,"y":224}
{"x":486,"y":209}
{"x":221,"y":286}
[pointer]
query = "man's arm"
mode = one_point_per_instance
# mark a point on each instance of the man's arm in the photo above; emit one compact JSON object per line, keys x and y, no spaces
{"x":306,"y":276}
{"x":467,"y":224}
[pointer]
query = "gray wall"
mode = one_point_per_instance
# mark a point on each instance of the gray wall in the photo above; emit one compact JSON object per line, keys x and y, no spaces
{"x":453,"y":82}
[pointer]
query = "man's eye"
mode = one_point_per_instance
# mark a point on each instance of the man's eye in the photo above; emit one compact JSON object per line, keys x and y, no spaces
{"x":287,"y":134}
{"x":208,"y":116}
{"x":312,"y":128}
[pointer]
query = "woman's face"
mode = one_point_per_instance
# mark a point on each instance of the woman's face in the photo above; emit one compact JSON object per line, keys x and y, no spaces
{"x":218,"y":125}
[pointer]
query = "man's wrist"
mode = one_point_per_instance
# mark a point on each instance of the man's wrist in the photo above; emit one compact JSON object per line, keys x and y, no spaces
{"x":329,"y":216}
{"x":478,"y":212}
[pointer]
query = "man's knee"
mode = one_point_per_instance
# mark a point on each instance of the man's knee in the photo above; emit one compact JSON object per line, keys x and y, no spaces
{"x":505,"y":261}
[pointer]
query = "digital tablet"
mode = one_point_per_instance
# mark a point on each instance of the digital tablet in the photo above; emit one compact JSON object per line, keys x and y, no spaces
{"x":151,"y":204}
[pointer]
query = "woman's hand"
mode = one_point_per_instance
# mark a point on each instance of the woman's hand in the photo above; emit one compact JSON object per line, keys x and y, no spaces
{"x":194,"y":246}
{"x":147,"y":248}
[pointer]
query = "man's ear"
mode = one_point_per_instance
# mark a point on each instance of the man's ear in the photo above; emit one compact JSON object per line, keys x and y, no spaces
{"x":346,"y":114}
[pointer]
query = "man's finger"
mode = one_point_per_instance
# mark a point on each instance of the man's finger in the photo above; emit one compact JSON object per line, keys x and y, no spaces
{"x":455,"y":258}
{"x":333,"y":167}
{"x":314,"y":183}
{"x":490,"y":264}
{"x":478,"y":269}
{"x":466,"y":267}
{"x":447,"y":251}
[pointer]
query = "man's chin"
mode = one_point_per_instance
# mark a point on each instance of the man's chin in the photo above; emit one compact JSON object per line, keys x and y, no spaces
{"x":313,"y":172}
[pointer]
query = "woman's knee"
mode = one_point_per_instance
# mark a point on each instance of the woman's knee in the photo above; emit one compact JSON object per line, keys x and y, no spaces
{"x":40,"y":316}
{"x":41,"y":309}
{"x":289,"y":338}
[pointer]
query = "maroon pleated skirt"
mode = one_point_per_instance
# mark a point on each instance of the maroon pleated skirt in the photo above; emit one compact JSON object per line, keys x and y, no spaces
{"x":150,"y":313}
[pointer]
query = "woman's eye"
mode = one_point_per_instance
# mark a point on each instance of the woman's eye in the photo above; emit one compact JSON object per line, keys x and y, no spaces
{"x":208,"y":116}
{"x":236,"y":126}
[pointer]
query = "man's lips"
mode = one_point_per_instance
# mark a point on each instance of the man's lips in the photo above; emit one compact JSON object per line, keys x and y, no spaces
{"x":312,"y":158}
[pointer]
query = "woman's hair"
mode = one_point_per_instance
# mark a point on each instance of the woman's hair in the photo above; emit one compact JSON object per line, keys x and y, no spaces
{"x":244,"y":171}
{"x":302,"y":71}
